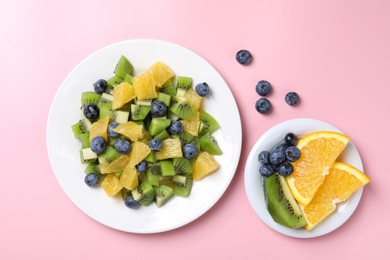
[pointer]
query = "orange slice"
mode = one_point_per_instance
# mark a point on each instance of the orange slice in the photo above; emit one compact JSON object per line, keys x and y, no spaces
{"x":192,"y":125}
{"x":138,"y":152}
{"x":204,"y":165}
{"x":145,"y":86}
{"x":123,"y":93}
{"x":99,"y":128}
{"x":111,"y":185}
{"x":338,"y":186}
{"x":130,"y":129}
{"x":194,"y":99}
{"x":129,"y":178}
{"x":116,"y":166}
{"x":319,"y":151}
{"x":171,"y":148}
{"x":161,"y":73}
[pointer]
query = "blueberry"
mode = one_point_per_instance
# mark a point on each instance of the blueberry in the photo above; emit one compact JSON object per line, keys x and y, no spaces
{"x":282,"y":146}
{"x":263,"y":88}
{"x":277,"y":156}
{"x":91,"y":111}
{"x":155,"y":144}
{"x":285,"y":169}
{"x":141,"y":167}
{"x":291,"y":139}
{"x":122,"y":145}
{"x":176,"y":127}
{"x":100,"y":86}
{"x":263,"y":157}
{"x":110,"y":130}
{"x":130,"y":202}
{"x":291,"y":98}
{"x":263,"y":105}
{"x":266,"y":170}
{"x":158,"y":108}
{"x":189,"y":151}
{"x":202,"y":89}
{"x":91,"y":179}
{"x":243,"y":57}
{"x":98,"y":144}
{"x":293,"y":153}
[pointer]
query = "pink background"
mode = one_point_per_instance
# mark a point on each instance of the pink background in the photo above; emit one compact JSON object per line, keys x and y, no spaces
{"x":335,"y":54}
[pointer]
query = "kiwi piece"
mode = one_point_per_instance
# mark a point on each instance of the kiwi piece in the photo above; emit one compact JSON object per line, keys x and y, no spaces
{"x":109,"y":155}
{"x":153,"y":179}
{"x":90,"y":97}
{"x":87,"y":155}
{"x":113,"y":81}
{"x":105,"y":110}
{"x":139,"y":112}
{"x":182,"y":185}
{"x":182,"y":166}
{"x":158,"y":124}
{"x":167,"y":168}
{"x":123,"y":67}
{"x":163,"y":194}
{"x":164,"y":98}
{"x":169,"y":88}
{"x":106,"y":98}
{"x":128,"y":78}
{"x":209,"y":144}
{"x":84,"y":139}
{"x":180,"y":107}
{"x":151,"y":157}
{"x":207,"y":123}
{"x":78,"y":129}
{"x":186,"y":138}
{"x":183,"y":82}
{"x":162,"y":135}
{"x":281,"y":204}
{"x":144,"y":193}
{"x":168,"y":181}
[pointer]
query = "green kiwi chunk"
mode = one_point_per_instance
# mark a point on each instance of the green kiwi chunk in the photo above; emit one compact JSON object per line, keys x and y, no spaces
{"x":167,"y":168}
{"x":162,"y":135}
{"x":158,"y":124}
{"x":128,"y":78}
{"x":123,"y":67}
{"x":182,"y":166}
{"x":164,"y":98}
{"x":78,"y":129}
{"x":183,"y":82}
{"x":151,"y":157}
{"x":87,"y":156}
{"x":90,"y":97}
{"x":169,"y":88}
{"x":163,"y":194}
{"x":182,"y":185}
{"x":181,"y":108}
{"x":105,"y":110}
{"x":109,"y":155}
{"x":207,"y":123}
{"x":209,"y":144}
{"x":139,"y":112}
{"x":281,"y":204}
{"x":113,"y":81}
{"x":144,"y":193}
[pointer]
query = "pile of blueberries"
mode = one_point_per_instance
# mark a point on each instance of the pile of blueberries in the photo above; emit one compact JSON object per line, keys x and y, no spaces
{"x":279,"y":159}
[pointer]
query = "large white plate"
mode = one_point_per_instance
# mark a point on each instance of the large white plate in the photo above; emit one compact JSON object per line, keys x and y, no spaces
{"x":253,"y":179}
{"x":63,"y":149}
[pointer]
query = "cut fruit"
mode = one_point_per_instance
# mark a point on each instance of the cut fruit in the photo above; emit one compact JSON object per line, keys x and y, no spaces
{"x":167,"y":168}
{"x":131,"y":130}
{"x":163,"y":194}
{"x":181,"y":108}
{"x":123,"y":67}
{"x":145,"y":86}
{"x":319,"y":151}
{"x":99,"y":128}
{"x":123,"y":93}
{"x":161,"y":73}
{"x":164,"y":98}
{"x":182,"y":185}
{"x":90,"y":97}
{"x":169,"y":88}
{"x":184,"y":82}
{"x":205,"y":164}
{"x":115,"y":166}
{"x":208,"y":123}
{"x":192,"y":125}
{"x":209,"y":144}
{"x":113,"y":81}
{"x":171,"y":148}
{"x":158,"y":124}
{"x":182,"y":166}
{"x":121,"y":117}
{"x":144,"y":193}
{"x":106,"y":110}
{"x":87,"y":155}
{"x":193,"y":99}
{"x":129,"y":178}
{"x":139,"y":112}
{"x":341,"y":182}
{"x":111,"y":185}
{"x":281,"y":204}
{"x":138,"y":152}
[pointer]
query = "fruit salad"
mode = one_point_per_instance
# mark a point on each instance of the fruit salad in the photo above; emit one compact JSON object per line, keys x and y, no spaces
{"x":146,"y":137}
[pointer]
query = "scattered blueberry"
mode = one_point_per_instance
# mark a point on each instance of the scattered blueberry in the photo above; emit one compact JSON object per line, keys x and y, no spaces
{"x":91,"y":179}
{"x":158,"y":108}
{"x":263,"y":157}
{"x":263,"y":105}
{"x":202,"y":89}
{"x":122,"y":145}
{"x":282,"y":146}
{"x":175,"y":128}
{"x":266,"y":170}
{"x":244,"y":57}
{"x":155,"y":144}
{"x":291,"y":98}
{"x":100,"y":86}
{"x":110,"y":131}
{"x":130,"y":202}
{"x":291,"y":139}
{"x":189,"y":151}
{"x":91,"y":111}
{"x":141,"y":167}
{"x":293,"y":153}
{"x":285,"y":169}
{"x":263,"y":88}
{"x":277,"y":156}
{"x":98,"y":144}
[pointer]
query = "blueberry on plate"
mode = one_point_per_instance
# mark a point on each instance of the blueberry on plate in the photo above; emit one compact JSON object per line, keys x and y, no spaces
{"x":91,"y":179}
{"x":277,"y":156}
{"x":263,"y":105}
{"x":98,"y":144}
{"x":263,"y":157}
{"x":141,"y":167}
{"x":155,"y":144}
{"x":189,"y":151}
{"x":291,"y":139}
{"x":293,"y":153}
{"x":100,"y":86}
{"x":263,"y":88}
{"x":176,"y":127}
{"x":122,"y":145}
{"x":91,"y":111}
{"x":130,"y":202}
{"x":158,"y":108}
{"x":291,"y":98}
{"x":110,"y":130}
{"x":266,"y":170}
{"x":285,"y":169}
{"x":202,"y":89}
{"x":243,"y":57}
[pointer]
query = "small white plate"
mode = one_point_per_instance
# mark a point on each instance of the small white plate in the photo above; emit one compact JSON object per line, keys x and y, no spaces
{"x":63,"y":148}
{"x":254,"y":186}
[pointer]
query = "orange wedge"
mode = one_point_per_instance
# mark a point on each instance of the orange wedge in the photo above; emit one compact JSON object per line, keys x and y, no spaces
{"x":99,"y":128}
{"x":138,"y":152}
{"x":129,"y":178}
{"x":338,"y":186}
{"x":111,"y":185}
{"x":204,"y":165}
{"x":116,"y":166}
{"x":192,"y":125}
{"x":129,"y":129}
{"x":145,"y":86}
{"x":171,"y":148}
{"x":319,"y":151}
{"x":161,"y":73}
{"x":123,"y":93}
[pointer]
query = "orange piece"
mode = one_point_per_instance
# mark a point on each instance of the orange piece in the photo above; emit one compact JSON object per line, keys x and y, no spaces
{"x":192,"y":125}
{"x":131,"y":130}
{"x":319,"y":151}
{"x":338,"y":186}
{"x":193,"y":99}
{"x":171,"y":148}
{"x":115,"y":166}
{"x":145,"y":86}
{"x":99,"y":128}
{"x":161,"y":73}
{"x":123,"y":93}
{"x":111,"y":185}
{"x":129,"y":178}
{"x":204,"y":165}
{"x":138,"y":152}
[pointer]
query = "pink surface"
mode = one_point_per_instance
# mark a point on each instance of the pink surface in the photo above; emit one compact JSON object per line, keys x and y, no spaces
{"x":335,"y":54}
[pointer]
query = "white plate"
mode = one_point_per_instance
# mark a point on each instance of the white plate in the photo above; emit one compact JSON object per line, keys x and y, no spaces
{"x":253,"y":179}
{"x":63,"y":149}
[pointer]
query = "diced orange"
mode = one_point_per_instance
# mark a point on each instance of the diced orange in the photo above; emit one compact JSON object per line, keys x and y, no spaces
{"x":171,"y":148}
{"x":99,"y":128}
{"x":131,"y":130}
{"x":145,"y":86}
{"x":123,"y":93}
{"x":192,"y":125}
{"x":111,"y":185}
{"x":129,"y":178}
{"x":116,"y":166}
{"x":161,"y":73}
{"x":205,"y":164}
{"x":193,"y":99}
{"x":138,"y":152}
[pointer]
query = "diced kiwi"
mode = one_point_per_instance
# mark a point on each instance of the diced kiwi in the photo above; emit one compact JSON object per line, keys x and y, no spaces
{"x":180,"y":107}
{"x":164,"y":98}
{"x":106,"y":98}
{"x":78,"y":129}
{"x":167,"y":181}
{"x":90,"y":97}
{"x":109,"y":155}
{"x":139,"y":112}
{"x":84,"y":139}
{"x":186,"y":138}
{"x":121,"y":117}
{"x":151,"y":157}
{"x":144,"y":193}
{"x":162,"y":135}
{"x":169,"y":88}
{"x":105,"y":110}
{"x":209,"y":144}
{"x":87,"y":155}
{"x":207,"y":123}
{"x":113,"y":81}
{"x":163,"y":194}
{"x":123,"y":67}
{"x":182,"y":185}
{"x":92,"y":167}
{"x":158,"y":124}
{"x":184,"y":82}
{"x":146,"y":102}
{"x":167,"y":168}
{"x":182,"y":166}
{"x":128,"y":78}
{"x":153,"y":174}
